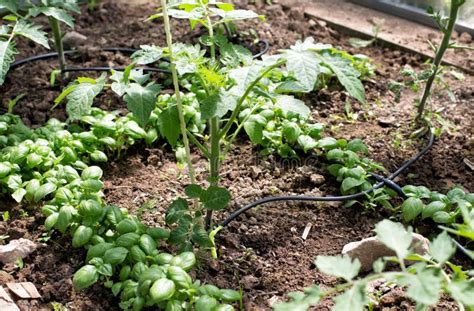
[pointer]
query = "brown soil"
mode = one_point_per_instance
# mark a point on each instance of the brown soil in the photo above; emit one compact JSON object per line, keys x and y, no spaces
{"x":263,"y":251}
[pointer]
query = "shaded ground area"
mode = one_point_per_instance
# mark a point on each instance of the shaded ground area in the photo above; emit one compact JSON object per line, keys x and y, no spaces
{"x":263,"y":252}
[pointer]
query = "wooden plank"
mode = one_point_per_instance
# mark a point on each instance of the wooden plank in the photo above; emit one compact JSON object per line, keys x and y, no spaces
{"x":356,"y":20}
{"x":24,"y":290}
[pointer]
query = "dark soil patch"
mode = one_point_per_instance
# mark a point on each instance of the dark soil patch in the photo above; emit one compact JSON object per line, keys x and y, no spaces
{"x":263,"y":251}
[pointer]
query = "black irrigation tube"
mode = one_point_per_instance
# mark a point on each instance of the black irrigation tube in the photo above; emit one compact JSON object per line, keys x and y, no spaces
{"x":46,"y":56}
{"x":381,"y":182}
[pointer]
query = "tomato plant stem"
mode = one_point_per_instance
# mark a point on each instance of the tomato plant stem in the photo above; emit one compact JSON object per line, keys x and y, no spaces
{"x":455,"y":4}
{"x":179,"y":104}
{"x":214,"y":162}
{"x":58,"y":43}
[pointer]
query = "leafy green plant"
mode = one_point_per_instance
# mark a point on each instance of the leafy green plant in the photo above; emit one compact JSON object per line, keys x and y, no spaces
{"x":361,"y":43}
{"x":424,"y":281}
{"x":57,"y":12}
{"x":16,"y":26}
{"x":443,"y":209}
{"x":19,"y":23}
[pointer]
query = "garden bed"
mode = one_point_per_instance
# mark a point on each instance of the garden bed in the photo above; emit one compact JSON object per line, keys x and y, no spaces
{"x":263,"y":252}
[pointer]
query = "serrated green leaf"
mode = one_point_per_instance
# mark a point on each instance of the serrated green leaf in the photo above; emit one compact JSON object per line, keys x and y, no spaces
{"x":176,"y":210}
{"x":232,"y":55}
{"x":141,"y":101}
{"x":341,"y":266}
{"x":442,"y":248}
{"x":147,"y":54}
{"x":424,"y":287}
{"x":32,"y":32}
{"x":200,"y":236}
{"x":394,"y":236}
{"x":7,"y":57}
{"x":215,"y":198}
{"x":290,"y":104}
{"x":304,"y":66}
{"x":193,"y":191}
{"x":353,"y":299}
{"x":347,"y":75}
{"x":462,"y":290}
{"x":56,"y":13}
{"x":81,"y":97}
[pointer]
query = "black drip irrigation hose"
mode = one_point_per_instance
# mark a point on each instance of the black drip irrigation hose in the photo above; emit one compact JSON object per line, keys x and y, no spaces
{"x":265,"y":43}
{"x":381,"y":182}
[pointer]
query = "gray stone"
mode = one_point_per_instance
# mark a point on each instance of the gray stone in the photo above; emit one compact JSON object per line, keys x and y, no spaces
{"x":370,"y":249}
{"x":16,"y":249}
{"x":73,"y":39}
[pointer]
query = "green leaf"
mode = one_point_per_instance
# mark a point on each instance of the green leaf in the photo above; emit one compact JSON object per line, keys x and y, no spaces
{"x":141,"y":101}
{"x":209,"y":106}
{"x":7,"y":57}
{"x":200,"y":236}
{"x":19,"y":194}
{"x":432,"y":208}
{"x":44,"y":190}
{"x":347,"y":75}
{"x":290,"y":104}
{"x":92,"y":172}
{"x":304,"y":66}
{"x":10,"y":5}
{"x":327,"y":143}
{"x":411,"y":208}
{"x":215,"y":198}
{"x":353,"y":299}
{"x":462,"y":290}
{"x":176,"y":211}
{"x":360,"y":43}
{"x":64,"y":218}
{"x":340,"y":266}
{"x":394,"y":236}
{"x":232,"y":55}
{"x":162,"y":290}
{"x":350,"y":183}
{"x":193,"y":191}
{"x":424,"y":286}
{"x":168,"y":125}
{"x":237,"y":15}
{"x":32,"y":32}
{"x":57,"y":13}
{"x":81,"y":97}
{"x":356,"y":145}
{"x":307,"y":142}
{"x":81,"y":236}
{"x":147,"y":54}
{"x":442,"y":248}
{"x":254,"y":130}
{"x":85,"y":277}
{"x":115,"y":255}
